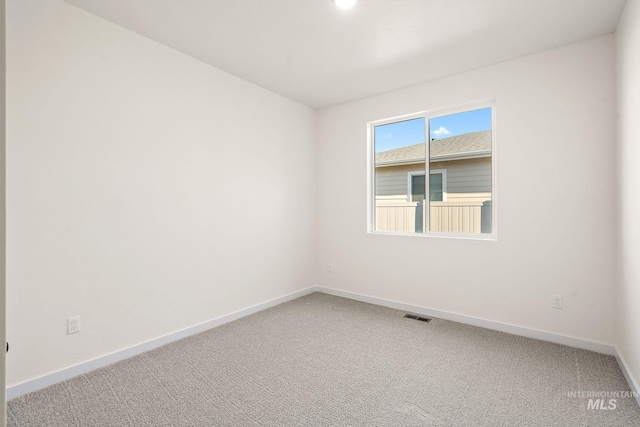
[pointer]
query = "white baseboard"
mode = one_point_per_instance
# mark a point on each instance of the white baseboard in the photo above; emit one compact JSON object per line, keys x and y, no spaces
{"x":475,"y":321}
{"x":633,"y":384}
{"x":73,"y":371}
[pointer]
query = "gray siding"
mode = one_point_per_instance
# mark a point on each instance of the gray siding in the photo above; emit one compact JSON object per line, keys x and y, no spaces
{"x":466,"y":180}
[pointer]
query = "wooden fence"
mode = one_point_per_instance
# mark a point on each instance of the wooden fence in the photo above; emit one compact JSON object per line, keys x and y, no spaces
{"x":455,"y":217}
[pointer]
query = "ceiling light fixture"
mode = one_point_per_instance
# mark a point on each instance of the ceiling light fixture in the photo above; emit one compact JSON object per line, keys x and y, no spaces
{"x":345,"y":4}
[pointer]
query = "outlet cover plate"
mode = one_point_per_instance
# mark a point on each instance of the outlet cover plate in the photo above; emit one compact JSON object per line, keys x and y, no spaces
{"x":73,"y":325}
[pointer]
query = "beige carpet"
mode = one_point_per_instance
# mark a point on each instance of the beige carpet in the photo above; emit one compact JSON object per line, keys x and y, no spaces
{"x":327,"y":361}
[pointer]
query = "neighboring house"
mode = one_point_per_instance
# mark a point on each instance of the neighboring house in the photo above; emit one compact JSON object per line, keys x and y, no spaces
{"x":460,"y":185}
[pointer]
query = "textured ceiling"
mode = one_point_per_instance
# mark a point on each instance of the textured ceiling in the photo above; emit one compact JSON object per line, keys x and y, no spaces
{"x":319,"y":55}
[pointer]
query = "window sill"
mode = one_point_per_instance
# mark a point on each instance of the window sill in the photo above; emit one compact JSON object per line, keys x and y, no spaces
{"x":459,"y":236}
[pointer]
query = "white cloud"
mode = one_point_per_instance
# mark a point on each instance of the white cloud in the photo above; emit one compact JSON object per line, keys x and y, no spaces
{"x":441,"y":131}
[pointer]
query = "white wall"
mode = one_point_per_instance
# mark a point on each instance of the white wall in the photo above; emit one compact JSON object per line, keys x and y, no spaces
{"x":628,"y":91}
{"x":3,"y":205}
{"x":147,"y":191}
{"x":555,"y":132}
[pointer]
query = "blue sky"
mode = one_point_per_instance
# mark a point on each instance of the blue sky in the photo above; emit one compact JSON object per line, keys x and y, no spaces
{"x":409,"y":132}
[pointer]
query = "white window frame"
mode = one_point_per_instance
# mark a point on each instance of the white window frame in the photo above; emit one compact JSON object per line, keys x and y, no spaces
{"x":431,"y":172}
{"x":430,"y":114}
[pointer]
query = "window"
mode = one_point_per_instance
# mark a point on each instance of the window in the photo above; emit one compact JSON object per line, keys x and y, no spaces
{"x":437,"y":188}
{"x":460,"y":173}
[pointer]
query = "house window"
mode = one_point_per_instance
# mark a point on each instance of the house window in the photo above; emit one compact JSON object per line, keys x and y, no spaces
{"x":437,"y":189}
{"x":460,"y":173}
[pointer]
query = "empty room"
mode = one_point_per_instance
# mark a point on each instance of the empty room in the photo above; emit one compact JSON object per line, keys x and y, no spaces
{"x":216,"y":213}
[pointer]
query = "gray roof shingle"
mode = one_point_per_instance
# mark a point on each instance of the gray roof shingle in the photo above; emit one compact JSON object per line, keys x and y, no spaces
{"x":456,"y":145}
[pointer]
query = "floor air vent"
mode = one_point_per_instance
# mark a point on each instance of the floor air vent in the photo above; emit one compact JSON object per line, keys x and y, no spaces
{"x":414,"y":317}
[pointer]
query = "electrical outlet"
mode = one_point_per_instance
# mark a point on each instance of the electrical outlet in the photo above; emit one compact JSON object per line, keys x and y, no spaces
{"x":73,"y":325}
{"x":557,"y":301}
{"x":330,"y":269}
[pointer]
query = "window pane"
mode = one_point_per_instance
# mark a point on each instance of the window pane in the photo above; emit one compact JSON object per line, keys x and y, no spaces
{"x":417,"y":188}
{"x":460,"y":198}
{"x":435,"y":187}
{"x":400,"y":150}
